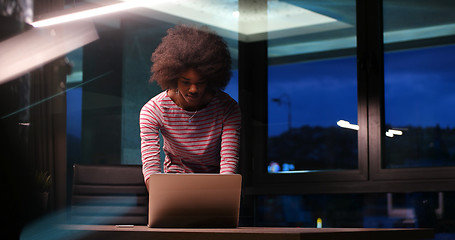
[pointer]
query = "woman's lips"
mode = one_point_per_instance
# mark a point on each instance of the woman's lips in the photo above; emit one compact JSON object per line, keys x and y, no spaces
{"x":192,"y":97}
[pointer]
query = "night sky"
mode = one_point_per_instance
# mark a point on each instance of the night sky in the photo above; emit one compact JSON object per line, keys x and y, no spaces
{"x":420,"y":87}
{"x":419,"y":90}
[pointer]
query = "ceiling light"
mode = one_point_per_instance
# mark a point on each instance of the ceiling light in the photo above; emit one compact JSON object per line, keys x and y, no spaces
{"x":252,"y":22}
{"x":37,"y":46}
{"x":78,"y":15}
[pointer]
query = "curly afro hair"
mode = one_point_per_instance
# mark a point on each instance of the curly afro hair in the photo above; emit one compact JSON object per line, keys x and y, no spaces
{"x":187,"y":47}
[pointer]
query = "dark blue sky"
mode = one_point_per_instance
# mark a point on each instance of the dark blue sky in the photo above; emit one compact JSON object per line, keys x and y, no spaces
{"x":420,"y":87}
{"x":419,"y":90}
{"x":321,"y":93}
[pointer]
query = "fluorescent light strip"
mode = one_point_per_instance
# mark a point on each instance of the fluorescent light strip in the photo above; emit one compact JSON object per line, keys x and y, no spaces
{"x":392,"y":132}
{"x":346,"y":124}
{"x":395,"y":132}
{"x":37,"y":46}
{"x":88,"y":13}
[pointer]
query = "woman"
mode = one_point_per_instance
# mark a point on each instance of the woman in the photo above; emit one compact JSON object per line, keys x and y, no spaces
{"x":200,"y":123}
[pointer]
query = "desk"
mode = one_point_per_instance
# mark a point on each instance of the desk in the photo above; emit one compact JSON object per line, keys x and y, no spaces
{"x":88,"y":232}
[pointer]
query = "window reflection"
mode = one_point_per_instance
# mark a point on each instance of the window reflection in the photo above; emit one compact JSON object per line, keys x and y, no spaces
{"x":307,"y":99}
{"x":418,"y":80}
{"x":306,"y":103}
{"x":368,"y":210}
{"x":103,"y":111}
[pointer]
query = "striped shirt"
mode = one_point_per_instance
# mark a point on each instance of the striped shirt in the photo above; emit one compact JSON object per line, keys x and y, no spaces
{"x":206,"y":141}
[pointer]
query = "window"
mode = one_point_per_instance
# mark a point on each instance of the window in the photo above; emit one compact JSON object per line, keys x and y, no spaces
{"x":306,"y":101}
{"x":367,"y":210}
{"x":418,"y":80}
{"x":74,"y":106}
{"x":311,"y":119}
{"x":342,"y":103}
{"x":416,"y":57}
{"x":115,"y":83}
{"x":402,"y":72}
{"x":418,"y":95}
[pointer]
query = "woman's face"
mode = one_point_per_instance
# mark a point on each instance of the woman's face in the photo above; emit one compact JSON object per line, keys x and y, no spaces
{"x":192,"y":89}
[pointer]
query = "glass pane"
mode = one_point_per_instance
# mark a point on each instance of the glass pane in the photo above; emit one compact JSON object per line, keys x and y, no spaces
{"x":419,"y":81}
{"x":110,"y":79}
{"x":366,"y":210}
{"x":312,"y":92}
{"x":74,"y":106}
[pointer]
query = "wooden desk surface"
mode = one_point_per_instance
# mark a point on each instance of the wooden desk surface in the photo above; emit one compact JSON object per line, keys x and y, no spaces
{"x":246,"y":233}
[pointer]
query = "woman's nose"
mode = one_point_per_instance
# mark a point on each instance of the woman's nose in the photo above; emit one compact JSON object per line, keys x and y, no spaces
{"x":193,"y":88}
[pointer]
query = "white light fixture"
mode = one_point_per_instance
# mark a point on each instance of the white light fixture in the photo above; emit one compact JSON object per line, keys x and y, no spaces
{"x":392,"y":132}
{"x":84,"y":14}
{"x":37,"y":46}
{"x":346,"y":124}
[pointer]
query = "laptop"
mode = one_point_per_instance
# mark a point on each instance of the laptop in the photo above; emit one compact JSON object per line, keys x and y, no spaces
{"x":194,"y":200}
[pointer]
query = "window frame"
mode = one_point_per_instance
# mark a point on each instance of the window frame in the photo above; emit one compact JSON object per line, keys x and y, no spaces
{"x":370,"y":176}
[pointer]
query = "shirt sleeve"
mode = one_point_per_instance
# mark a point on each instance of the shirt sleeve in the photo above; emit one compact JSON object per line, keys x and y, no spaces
{"x":230,"y":139}
{"x":150,"y":143}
